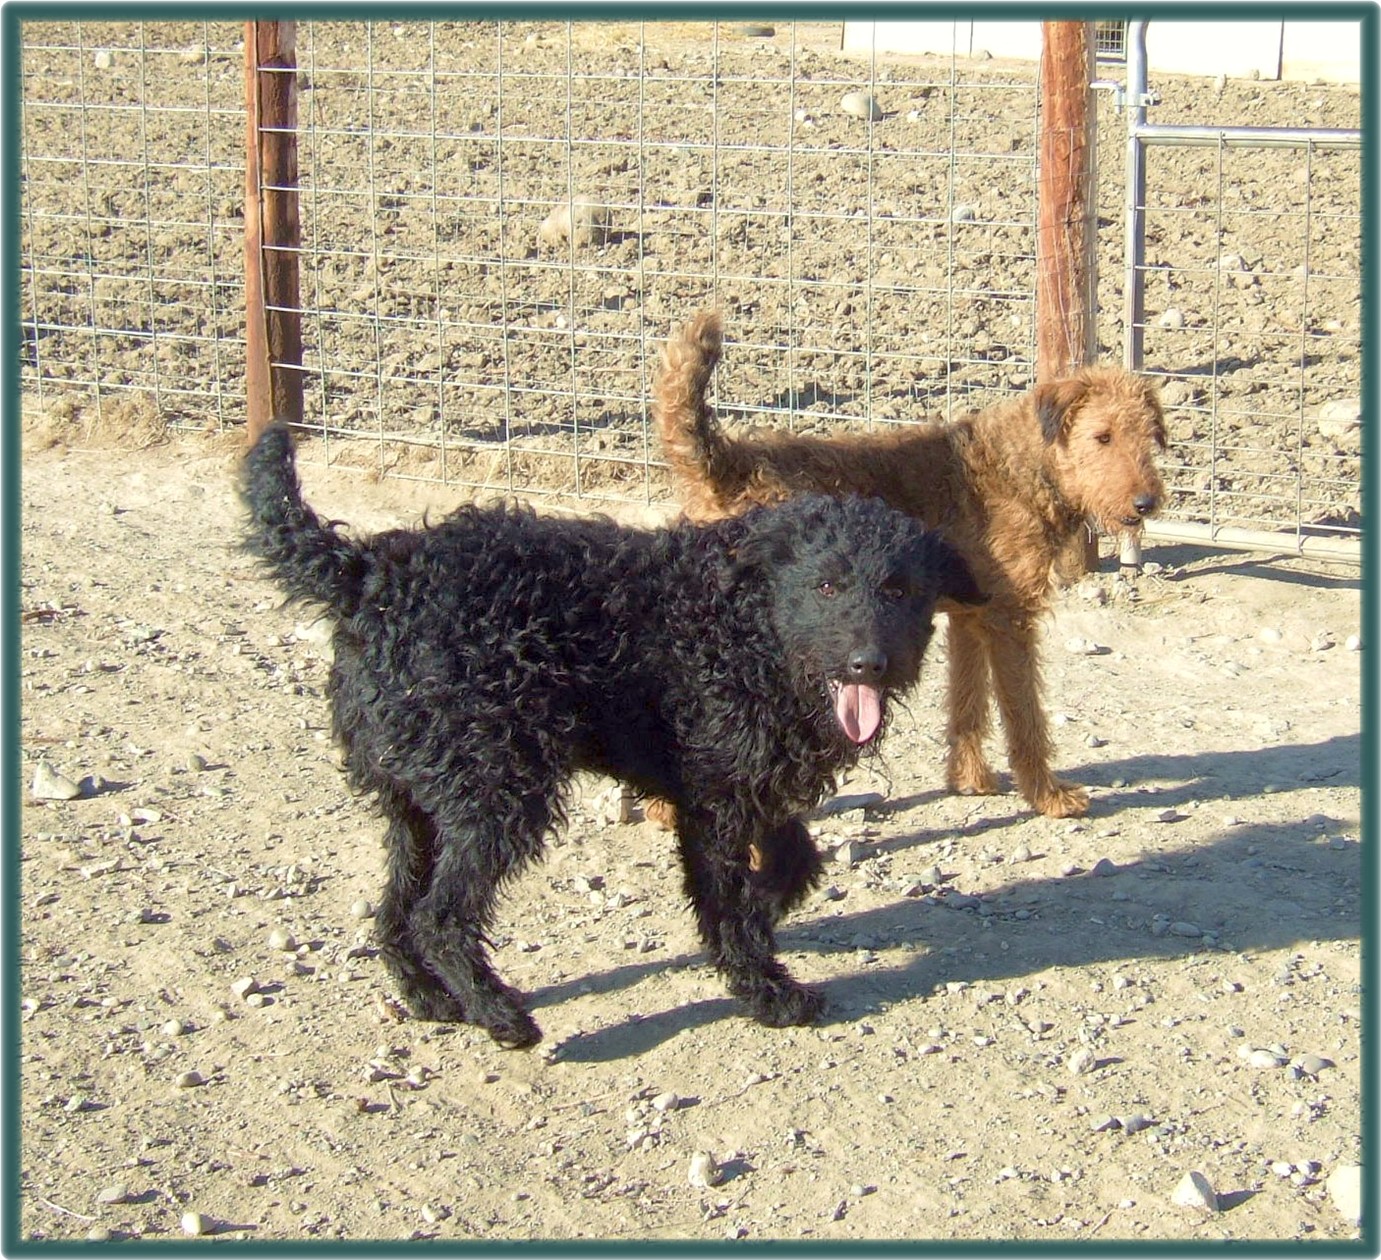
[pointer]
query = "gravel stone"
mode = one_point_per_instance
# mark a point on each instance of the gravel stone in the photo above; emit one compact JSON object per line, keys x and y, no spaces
{"x":1344,"y":1188}
{"x":1082,"y":1061}
{"x":703,"y":1171}
{"x":282,"y":940}
{"x":1194,"y":1191}
{"x":196,"y":1223}
{"x":581,"y":222}
{"x":861,"y":105}
{"x":848,"y":803}
{"x":50,"y":785}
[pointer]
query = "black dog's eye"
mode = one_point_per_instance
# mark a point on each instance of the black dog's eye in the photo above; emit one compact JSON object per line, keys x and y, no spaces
{"x":827,"y":589}
{"x":894,"y":591}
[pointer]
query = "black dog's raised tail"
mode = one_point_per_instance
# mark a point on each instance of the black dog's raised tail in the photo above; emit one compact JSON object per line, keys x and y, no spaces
{"x":309,"y":558}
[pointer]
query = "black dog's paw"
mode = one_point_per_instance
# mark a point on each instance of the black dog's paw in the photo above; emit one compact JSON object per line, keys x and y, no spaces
{"x":436,"y":1005}
{"x":784,"y":1004}
{"x":516,"y":1031}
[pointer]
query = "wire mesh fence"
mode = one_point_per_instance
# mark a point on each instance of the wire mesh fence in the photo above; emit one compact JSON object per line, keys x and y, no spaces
{"x":501,"y":221}
{"x":130,"y":209}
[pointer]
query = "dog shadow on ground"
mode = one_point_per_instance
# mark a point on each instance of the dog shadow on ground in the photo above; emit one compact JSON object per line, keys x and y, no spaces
{"x":1224,"y":776}
{"x":1070,"y":925}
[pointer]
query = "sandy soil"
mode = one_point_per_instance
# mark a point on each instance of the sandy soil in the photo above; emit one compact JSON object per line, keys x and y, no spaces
{"x":972,"y":954}
{"x":1192,"y":946}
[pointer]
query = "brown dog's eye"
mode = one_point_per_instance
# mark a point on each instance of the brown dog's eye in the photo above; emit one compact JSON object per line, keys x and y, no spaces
{"x":826,"y":589}
{"x":1103,"y":439}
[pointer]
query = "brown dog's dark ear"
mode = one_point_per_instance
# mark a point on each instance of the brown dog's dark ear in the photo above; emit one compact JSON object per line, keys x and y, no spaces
{"x":1055,"y":401}
{"x":1152,"y":395}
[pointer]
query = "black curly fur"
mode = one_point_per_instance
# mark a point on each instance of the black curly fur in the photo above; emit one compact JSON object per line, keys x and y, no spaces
{"x":480,"y":662}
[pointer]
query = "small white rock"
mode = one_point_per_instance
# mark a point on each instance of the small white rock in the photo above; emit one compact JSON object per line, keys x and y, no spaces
{"x":861,"y":105}
{"x":1344,"y":1187}
{"x":1172,"y":317}
{"x":1082,"y":1061}
{"x":282,"y":940}
{"x":1022,"y":853}
{"x":50,"y":785}
{"x":112,"y":1194}
{"x":1340,"y":418}
{"x":189,"y":1080}
{"x":668,"y":1101}
{"x":704,"y":1172}
{"x":243,"y":987}
{"x":1265,"y":1059}
{"x":848,"y":853}
{"x":1353,"y":643}
{"x":361,"y":909}
{"x":581,"y":223}
{"x":195,"y":1224}
{"x":1194,"y":1191}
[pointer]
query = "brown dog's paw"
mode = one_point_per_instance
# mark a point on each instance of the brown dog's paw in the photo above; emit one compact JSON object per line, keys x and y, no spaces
{"x":972,"y":778}
{"x":661,"y":813}
{"x":1061,"y":799}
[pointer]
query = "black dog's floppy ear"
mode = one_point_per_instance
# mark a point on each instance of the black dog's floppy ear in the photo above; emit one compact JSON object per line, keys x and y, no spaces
{"x":765,"y":544}
{"x":950,"y":572}
{"x":1054,"y":401}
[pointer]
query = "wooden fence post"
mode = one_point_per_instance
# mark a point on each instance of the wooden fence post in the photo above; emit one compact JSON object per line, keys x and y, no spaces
{"x":1066,"y":274}
{"x":273,"y":318}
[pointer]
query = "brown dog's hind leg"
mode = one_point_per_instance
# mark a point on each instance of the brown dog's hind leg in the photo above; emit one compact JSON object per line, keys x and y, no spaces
{"x":1015,"y":664}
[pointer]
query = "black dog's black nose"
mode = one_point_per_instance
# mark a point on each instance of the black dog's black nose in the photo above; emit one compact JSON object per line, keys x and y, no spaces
{"x":867,"y":664}
{"x":1144,"y":503}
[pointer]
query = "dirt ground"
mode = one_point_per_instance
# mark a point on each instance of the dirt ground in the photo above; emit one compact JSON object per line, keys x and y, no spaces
{"x":1193,"y":945}
{"x":209,"y":1044}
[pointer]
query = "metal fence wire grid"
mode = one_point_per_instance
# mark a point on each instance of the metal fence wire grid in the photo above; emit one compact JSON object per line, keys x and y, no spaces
{"x":500,"y":222}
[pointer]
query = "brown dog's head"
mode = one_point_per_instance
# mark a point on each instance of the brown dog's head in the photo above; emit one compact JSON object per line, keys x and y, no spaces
{"x":1103,"y":427}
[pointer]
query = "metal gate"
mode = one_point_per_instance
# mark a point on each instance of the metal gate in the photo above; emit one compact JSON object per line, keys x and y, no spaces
{"x":1265,"y":474}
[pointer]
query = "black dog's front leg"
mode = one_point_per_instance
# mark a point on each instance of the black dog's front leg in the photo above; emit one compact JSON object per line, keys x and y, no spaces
{"x":786,"y":865}
{"x":735,"y":912}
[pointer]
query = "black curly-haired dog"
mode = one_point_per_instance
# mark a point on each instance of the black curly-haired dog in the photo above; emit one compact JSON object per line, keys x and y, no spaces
{"x":731,"y":669}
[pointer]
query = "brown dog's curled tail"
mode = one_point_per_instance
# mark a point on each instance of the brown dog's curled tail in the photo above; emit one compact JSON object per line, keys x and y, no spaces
{"x":695,"y":447}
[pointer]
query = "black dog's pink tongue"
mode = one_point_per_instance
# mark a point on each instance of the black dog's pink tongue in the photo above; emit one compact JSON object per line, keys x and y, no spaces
{"x":858,"y":709}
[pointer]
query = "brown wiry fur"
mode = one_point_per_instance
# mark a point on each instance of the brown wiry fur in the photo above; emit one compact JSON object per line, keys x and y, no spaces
{"x":1012,"y":486}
